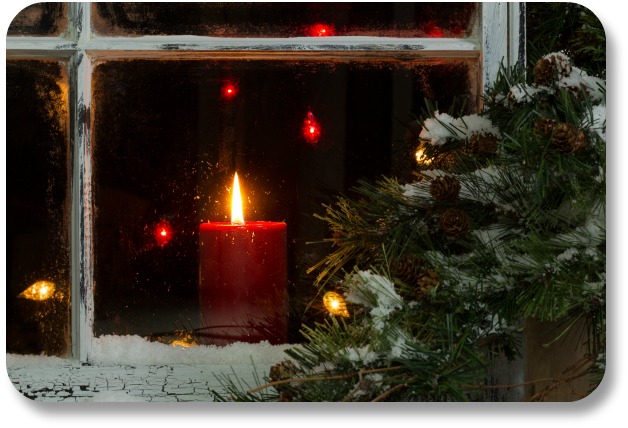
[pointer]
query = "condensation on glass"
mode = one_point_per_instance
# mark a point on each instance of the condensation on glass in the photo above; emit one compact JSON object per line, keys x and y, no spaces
{"x":40,"y":19}
{"x":38,"y":208}
{"x":292,"y":19}
{"x":168,"y":136}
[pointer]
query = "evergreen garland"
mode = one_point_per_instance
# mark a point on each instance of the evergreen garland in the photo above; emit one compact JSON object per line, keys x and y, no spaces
{"x":502,"y":220}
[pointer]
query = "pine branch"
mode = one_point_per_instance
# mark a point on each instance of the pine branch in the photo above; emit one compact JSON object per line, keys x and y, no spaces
{"x":358,"y":374}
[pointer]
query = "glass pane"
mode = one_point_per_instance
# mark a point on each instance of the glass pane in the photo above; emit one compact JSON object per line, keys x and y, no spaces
{"x":286,"y":19}
{"x":170,"y":134}
{"x":40,"y":19}
{"x":38,"y":204}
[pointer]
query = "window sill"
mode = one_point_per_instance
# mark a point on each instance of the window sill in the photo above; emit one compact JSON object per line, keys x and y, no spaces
{"x":145,"y":372}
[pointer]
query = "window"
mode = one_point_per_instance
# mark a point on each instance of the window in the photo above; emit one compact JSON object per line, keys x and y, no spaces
{"x":38,"y":207}
{"x":127,"y":125}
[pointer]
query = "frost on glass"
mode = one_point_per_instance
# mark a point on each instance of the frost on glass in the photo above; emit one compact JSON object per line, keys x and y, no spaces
{"x":37,"y":208}
{"x":169,"y":135}
{"x":292,"y":19}
{"x":40,"y":19}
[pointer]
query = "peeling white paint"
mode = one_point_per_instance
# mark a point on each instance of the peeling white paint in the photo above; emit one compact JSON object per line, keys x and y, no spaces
{"x":75,"y":382}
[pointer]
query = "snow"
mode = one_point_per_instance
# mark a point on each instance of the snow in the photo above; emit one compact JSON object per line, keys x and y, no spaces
{"x":17,"y":361}
{"x":135,"y":350}
{"x":570,"y":77}
{"x":578,"y":78}
{"x":560,"y":59}
{"x":591,"y":233}
{"x":361,"y":356}
{"x":382,"y":289}
{"x":489,"y":237}
{"x":567,"y":255}
{"x":598,"y":122}
{"x":438,"y":129}
{"x":441,"y":127}
{"x":399,"y":345}
{"x":364,"y":287}
{"x":525,"y":93}
{"x":416,"y":191}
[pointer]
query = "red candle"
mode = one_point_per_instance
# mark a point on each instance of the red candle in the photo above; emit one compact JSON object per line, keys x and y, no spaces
{"x":243,"y":279}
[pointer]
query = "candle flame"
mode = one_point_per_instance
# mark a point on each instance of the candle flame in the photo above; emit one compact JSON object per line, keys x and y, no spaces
{"x":236,"y":203}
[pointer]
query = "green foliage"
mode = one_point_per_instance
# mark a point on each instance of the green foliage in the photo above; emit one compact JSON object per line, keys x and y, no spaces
{"x":435,"y":299}
{"x":568,"y":27}
{"x":535,"y":248}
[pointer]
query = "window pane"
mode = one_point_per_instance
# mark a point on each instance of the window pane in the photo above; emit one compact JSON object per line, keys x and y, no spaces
{"x":38,"y":273}
{"x":40,"y":19}
{"x":286,"y":19}
{"x":168,"y":136}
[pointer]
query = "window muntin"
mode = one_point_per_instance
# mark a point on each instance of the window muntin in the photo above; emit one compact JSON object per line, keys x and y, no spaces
{"x":282,"y":20}
{"x":38,"y":208}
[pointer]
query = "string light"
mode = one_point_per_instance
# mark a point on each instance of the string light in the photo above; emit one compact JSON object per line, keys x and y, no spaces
{"x":321,"y":30}
{"x":184,"y":343}
{"x":311,"y":129}
{"x":41,"y":290}
{"x":335,"y":304}
{"x":434,"y":31}
{"x":229,"y":90}
{"x":163,"y":233}
{"x":421,"y":157}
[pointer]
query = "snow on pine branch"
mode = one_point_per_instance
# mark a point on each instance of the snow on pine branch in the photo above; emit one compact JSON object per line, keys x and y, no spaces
{"x":593,"y":86}
{"x":478,"y":186}
{"x":374,"y":291}
{"x":595,"y":121}
{"x":442,"y":127}
{"x":568,"y":77}
{"x":521,"y":93}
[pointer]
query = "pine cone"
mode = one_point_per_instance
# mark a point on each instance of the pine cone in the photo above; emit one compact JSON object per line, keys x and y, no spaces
{"x":568,"y":139}
{"x":551,"y":68}
{"x":481,"y":144}
{"x":544,"y":72}
{"x":282,"y":371}
{"x":408,"y":268}
{"x":577,"y":91}
{"x":445,"y":188}
{"x":454,"y":222}
{"x":545,"y":126}
{"x":446,"y":161}
{"x":427,"y":281}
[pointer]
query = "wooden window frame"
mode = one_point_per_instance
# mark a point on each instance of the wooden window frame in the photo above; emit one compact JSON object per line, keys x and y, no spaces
{"x":499,"y":39}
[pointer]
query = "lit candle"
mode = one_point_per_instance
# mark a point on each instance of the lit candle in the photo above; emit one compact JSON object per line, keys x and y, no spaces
{"x":243,"y":279}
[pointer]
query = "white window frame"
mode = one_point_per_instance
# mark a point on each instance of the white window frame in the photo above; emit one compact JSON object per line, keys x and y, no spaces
{"x":499,"y":39}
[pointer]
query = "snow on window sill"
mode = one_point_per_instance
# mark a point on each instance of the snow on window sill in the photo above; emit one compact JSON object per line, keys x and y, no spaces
{"x":134,"y":350}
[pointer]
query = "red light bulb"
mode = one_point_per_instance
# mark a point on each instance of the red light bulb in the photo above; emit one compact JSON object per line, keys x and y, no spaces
{"x":311,"y":129}
{"x":229,"y":90}
{"x":163,"y":233}
{"x":434,"y":31}
{"x":321,"y":30}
